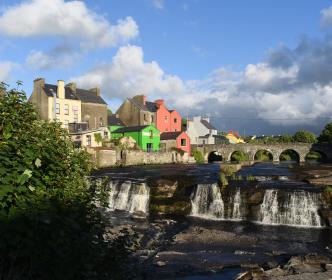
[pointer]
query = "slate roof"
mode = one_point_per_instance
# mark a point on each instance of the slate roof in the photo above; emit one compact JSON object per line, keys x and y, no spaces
{"x":130,"y":129}
{"x":87,"y":96}
{"x":208,"y":125}
{"x":113,"y":120}
{"x":151,"y":106}
{"x":68,"y":93}
{"x":170,"y":135}
{"x":84,"y":95}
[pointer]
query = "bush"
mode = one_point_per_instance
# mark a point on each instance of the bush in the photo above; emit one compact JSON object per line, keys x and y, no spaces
{"x":239,"y":156}
{"x":50,"y":225}
{"x":198,"y":156}
{"x":303,"y":136}
{"x":326,"y":135}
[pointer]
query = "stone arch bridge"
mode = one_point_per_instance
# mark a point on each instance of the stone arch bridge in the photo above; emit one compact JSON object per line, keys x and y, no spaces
{"x":302,"y":149}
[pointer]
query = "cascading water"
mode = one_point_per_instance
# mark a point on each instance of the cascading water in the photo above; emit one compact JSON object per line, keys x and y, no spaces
{"x":236,"y":210}
{"x":297,"y":209}
{"x":129,"y":196}
{"x":207,"y":203}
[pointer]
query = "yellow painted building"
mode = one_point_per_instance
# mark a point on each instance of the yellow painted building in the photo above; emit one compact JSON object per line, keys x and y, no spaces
{"x":234,"y":138}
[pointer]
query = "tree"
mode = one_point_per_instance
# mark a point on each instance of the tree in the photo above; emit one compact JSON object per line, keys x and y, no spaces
{"x":304,"y":136}
{"x":326,"y":135}
{"x":50,"y":227}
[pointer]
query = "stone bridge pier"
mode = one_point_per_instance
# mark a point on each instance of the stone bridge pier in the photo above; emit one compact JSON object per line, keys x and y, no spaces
{"x":301,"y":149}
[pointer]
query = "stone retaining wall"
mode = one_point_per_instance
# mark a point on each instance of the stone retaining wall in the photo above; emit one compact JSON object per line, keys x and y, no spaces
{"x":109,"y":158}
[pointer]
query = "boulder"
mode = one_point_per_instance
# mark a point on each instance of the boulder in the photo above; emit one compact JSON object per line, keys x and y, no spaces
{"x":326,"y":215}
{"x":165,"y":188}
{"x":256,"y":198}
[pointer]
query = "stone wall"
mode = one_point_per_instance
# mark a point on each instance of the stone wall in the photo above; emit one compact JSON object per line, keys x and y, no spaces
{"x":301,"y":149}
{"x":108,"y":158}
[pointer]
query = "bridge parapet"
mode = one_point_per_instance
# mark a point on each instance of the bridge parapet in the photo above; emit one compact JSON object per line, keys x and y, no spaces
{"x":302,"y":149}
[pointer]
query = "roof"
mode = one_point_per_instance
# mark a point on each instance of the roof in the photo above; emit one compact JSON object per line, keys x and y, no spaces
{"x":130,"y":129}
{"x":151,"y":106}
{"x":68,"y":93}
{"x":84,"y":95}
{"x":113,"y":120}
{"x":207,"y":124}
{"x":170,"y":135}
{"x":87,"y":96}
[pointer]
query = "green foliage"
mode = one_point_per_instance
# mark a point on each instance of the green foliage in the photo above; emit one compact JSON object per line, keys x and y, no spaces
{"x":109,"y":112}
{"x":178,"y":150}
{"x":198,"y":156}
{"x":250,"y":178}
{"x":263,"y":155}
{"x":286,"y":138}
{"x":239,"y":156}
{"x":289,"y":155}
{"x":228,"y":169}
{"x":304,"y":136}
{"x":328,"y":195}
{"x":223,"y":179}
{"x":98,"y":137}
{"x":50,"y":225}
{"x":314,"y":156}
{"x":326,"y":135}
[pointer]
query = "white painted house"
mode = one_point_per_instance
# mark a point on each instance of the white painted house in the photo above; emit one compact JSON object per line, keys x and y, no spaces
{"x":201,"y":131}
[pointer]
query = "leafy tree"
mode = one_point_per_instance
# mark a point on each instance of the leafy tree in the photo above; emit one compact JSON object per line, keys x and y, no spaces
{"x":326,"y":135}
{"x":304,"y":136}
{"x":109,"y":112}
{"x":198,"y":156}
{"x":50,"y":225}
{"x":239,"y":156}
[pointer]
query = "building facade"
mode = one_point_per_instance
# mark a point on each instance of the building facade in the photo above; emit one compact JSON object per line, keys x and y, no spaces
{"x":137,"y":111}
{"x":147,"y":137}
{"x":179,"y":140}
{"x":201,"y":131}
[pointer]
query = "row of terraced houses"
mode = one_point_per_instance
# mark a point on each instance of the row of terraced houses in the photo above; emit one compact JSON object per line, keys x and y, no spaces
{"x":150,"y":126}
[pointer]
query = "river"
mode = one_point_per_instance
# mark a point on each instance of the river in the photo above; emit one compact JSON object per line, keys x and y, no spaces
{"x":190,"y":227}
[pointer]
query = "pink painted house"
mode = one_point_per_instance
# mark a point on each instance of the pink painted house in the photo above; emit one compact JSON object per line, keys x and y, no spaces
{"x":139,"y":111}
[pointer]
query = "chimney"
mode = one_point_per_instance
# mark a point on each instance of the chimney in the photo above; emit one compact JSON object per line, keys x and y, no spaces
{"x":95,"y":90}
{"x":159,"y":102}
{"x":71,"y":86}
{"x":61,"y":89}
{"x":141,"y":99}
{"x":38,"y":83}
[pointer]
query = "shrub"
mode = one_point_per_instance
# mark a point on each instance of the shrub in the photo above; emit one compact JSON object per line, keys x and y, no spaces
{"x":198,"y":156}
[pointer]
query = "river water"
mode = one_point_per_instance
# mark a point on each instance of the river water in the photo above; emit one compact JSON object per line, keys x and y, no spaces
{"x":267,"y":218}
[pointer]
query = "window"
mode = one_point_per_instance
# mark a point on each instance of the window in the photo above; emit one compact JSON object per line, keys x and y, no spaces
{"x":151,"y":133}
{"x":101,"y":122}
{"x":75,"y":109}
{"x":166,"y":119}
{"x":57,"y":108}
{"x":76,"y":117}
{"x":88,"y":140}
{"x":175,"y":120}
{"x":66,"y":109}
{"x":144,"y":117}
{"x":175,"y":129}
{"x":152,"y":119}
{"x":183,"y":142}
{"x":105,"y":134}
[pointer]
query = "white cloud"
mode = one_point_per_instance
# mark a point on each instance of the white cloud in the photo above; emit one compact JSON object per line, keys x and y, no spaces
{"x":128,"y":75}
{"x":326,"y":17}
{"x":59,"y":57}
{"x":158,"y":4}
{"x":70,"y":19}
{"x":262,"y":75}
{"x":292,"y":87}
{"x":6,"y":68}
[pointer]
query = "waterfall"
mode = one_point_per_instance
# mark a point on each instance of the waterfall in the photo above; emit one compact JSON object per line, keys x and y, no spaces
{"x":129,"y":196}
{"x":297,"y":209}
{"x":207,"y":203}
{"x":236,"y":201}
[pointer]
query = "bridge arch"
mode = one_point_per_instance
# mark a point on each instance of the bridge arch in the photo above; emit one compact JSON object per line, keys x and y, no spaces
{"x":263,"y":155}
{"x":238,"y":155}
{"x":316,"y":155}
{"x":214,"y":156}
{"x":290,"y":155}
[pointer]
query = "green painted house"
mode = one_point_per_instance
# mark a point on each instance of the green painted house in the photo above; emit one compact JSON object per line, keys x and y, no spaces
{"x":147,"y":137}
{"x":114,"y":123}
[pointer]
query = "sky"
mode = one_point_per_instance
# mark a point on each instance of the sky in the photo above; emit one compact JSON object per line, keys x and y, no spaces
{"x":258,"y":66}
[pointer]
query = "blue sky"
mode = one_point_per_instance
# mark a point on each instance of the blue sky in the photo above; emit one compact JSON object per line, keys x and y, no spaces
{"x":259,"y":66}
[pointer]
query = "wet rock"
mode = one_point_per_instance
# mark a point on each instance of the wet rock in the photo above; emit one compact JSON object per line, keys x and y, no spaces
{"x":256,"y":198}
{"x":311,"y":263}
{"x":165,"y":188}
{"x":316,"y":259}
{"x":328,"y":267}
{"x":326,"y":214}
{"x":278,"y":253}
{"x":243,"y":276}
{"x":275,"y":272}
{"x":270,"y":265}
